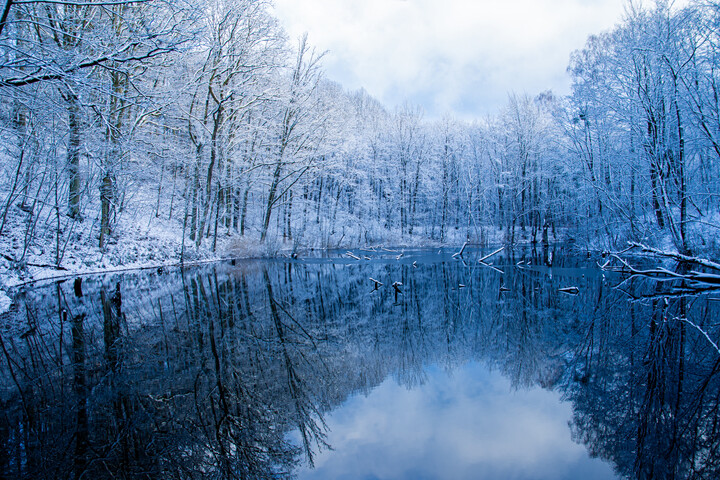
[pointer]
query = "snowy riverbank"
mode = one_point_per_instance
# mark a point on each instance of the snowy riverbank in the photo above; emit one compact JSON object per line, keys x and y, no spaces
{"x":140,"y":242}
{"x":133,"y":245}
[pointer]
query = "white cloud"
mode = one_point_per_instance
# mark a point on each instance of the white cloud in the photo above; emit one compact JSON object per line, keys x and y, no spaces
{"x":455,"y":55}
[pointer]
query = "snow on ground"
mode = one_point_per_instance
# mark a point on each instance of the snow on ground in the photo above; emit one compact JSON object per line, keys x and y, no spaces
{"x":142,"y":240}
{"x":5,"y":302}
{"x":134,"y":243}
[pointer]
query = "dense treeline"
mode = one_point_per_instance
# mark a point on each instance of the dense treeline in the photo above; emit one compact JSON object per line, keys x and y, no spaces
{"x":203,"y":122}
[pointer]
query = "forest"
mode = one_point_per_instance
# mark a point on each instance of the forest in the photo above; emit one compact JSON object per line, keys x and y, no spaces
{"x":151,"y":130}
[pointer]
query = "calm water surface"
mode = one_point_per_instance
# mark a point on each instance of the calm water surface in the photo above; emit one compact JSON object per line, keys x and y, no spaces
{"x":308,"y":368}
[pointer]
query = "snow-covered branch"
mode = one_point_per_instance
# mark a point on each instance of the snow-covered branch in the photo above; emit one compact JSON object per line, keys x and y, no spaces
{"x":677,"y":256}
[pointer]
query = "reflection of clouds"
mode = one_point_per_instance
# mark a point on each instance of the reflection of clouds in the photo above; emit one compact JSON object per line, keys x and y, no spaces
{"x":472,"y":424}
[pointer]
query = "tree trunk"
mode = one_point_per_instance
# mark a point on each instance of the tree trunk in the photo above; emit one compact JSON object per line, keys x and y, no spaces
{"x":207,"y":203}
{"x":289,"y":215}
{"x":271,"y":201}
{"x":105,"y":198}
{"x":194,"y":194}
{"x":413,"y":199}
{"x":682,"y":185}
{"x":243,"y":211}
{"x":73,"y":154}
{"x":654,"y":183}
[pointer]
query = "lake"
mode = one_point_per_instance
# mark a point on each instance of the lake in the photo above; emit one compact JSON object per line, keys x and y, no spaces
{"x":321,"y":368}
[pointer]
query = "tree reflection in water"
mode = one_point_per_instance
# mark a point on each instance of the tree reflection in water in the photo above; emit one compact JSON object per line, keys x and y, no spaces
{"x":203,"y":373}
{"x":648,"y":396}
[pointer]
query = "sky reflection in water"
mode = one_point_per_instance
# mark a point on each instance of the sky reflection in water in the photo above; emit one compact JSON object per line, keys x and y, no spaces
{"x":470,"y":423}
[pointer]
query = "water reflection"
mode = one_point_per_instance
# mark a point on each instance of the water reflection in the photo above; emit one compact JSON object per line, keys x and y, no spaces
{"x":466,"y":424}
{"x":232,"y":371}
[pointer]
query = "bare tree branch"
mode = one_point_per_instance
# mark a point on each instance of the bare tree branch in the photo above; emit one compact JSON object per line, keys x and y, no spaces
{"x":5,"y":13}
{"x":677,"y":256}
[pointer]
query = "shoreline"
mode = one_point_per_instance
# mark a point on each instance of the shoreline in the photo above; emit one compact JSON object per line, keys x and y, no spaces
{"x":13,"y":280}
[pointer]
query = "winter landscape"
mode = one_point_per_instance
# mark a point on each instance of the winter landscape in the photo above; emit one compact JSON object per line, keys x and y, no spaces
{"x":212,"y":250}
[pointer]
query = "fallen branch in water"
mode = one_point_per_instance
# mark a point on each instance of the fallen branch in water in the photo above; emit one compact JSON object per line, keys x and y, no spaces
{"x":698,"y":281}
{"x":570,"y":290}
{"x":675,"y":293}
{"x":677,"y":256}
{"x":657,"y":272}
{"x":460,"y":253}
{"x":482,"y":260}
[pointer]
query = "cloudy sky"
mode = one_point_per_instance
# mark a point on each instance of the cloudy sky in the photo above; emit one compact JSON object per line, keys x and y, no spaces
{"x":458,"y":56}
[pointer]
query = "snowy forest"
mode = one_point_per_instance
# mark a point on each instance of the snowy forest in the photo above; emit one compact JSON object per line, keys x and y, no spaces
{"x":149,"y":130}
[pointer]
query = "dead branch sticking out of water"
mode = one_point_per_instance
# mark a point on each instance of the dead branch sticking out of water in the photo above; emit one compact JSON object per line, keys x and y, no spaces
{"x":482,"y":260}
{"x":697,"y":281}
{"x":460,"y":253}
{"x":569,"y":290}
{"x":677,"y":256}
